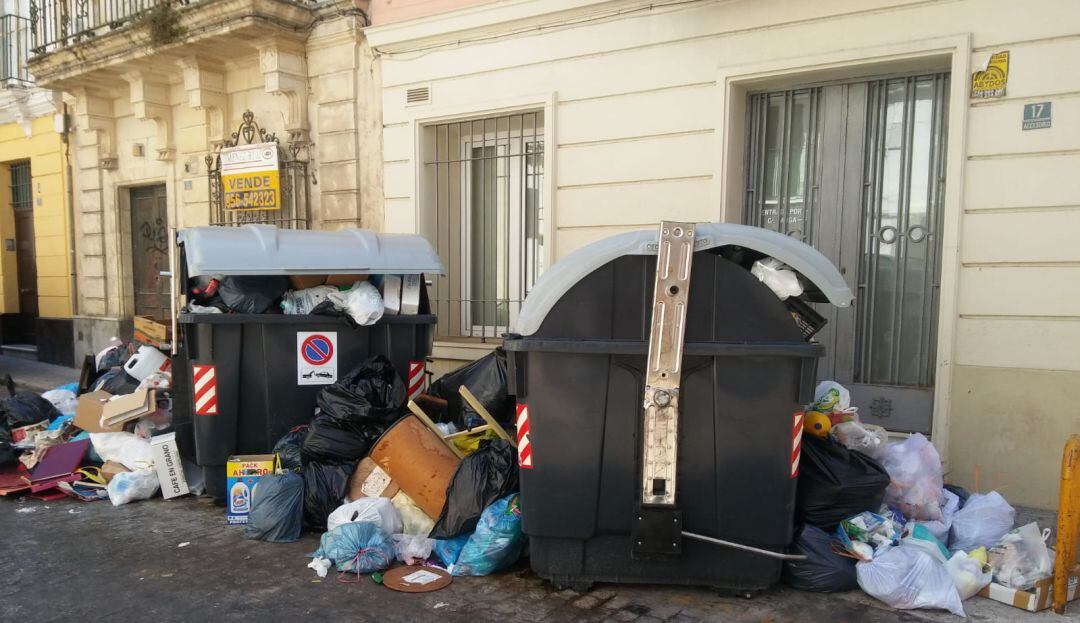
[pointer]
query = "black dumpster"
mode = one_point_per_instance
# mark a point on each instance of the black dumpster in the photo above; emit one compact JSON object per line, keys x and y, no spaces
{"x":577,"y":368}
{"x":243,"y":380}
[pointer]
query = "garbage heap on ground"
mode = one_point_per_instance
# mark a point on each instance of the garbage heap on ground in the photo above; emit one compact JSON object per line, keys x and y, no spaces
{"x":878,"y":516}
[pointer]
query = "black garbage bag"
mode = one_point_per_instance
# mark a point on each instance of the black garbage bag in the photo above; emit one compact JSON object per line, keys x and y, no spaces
{"x":116,"y":382}
{"x":486,"y":379}
{"x":288,"y":449}
{"x":324,"y":489}
{"x":253,"y":294}
{"x":26,"y":408}
{"x":8,"y":455}
{"x":836,"y":483}
{"x":277,"y":509}
{"x":353,"y":412}
{"x":489,"y":474}
{"x":822,"y":571}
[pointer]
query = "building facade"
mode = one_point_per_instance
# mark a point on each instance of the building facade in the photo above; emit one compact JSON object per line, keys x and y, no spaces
{"x":37,"y":276}
{"x":155,"y":89}
{"x":928,"y":149}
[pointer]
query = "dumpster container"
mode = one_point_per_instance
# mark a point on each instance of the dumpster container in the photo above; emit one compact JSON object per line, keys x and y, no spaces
{"x":253,"y":359}
{"x":576,"y":364}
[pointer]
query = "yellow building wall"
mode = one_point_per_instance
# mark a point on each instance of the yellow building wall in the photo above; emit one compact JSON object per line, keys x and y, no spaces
{"x":45,"y":150}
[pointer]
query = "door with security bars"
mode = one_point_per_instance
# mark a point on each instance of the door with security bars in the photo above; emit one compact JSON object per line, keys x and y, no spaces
{"x":482,"y":206}
{"x":857,"y":171}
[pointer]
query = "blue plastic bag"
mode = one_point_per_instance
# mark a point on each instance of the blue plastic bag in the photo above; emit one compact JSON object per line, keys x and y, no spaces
{"x":497,"y":542}
{"x":448,"y":550}
{"x":277,"y":509}
{"x":357,"y":547}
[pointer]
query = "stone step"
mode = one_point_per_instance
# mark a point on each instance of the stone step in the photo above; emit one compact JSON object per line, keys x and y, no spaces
{"x":22,"y":351}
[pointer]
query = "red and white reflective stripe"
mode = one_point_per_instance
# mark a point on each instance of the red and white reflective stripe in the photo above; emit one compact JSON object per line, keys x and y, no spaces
{"x":796,"y":442}
{"x":204,"y":379}
{"x":417,"y":378}
{"x":524,"y":447}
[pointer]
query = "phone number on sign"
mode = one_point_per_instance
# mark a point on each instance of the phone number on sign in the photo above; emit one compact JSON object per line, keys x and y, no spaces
{"x":252,"y":199}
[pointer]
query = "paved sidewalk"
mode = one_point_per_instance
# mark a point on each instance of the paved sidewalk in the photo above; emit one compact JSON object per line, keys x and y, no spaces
{"x":35,"y":375}
{"x":176,"y":560}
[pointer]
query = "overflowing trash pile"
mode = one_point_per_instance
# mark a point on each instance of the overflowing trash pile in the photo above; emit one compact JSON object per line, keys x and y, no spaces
{"x":878,"y":516}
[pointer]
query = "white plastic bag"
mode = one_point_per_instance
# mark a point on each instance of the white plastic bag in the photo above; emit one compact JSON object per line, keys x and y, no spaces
{"x":907,"y":578}
{"x":982,"y":522}
{"x":412,"y":549}
{"x":378,"y":511}
{"x":831,"y":396}
{"x":1021,"y":557}
{"x":124,"y":448}
{"x":915,"y":469}
{"x":780,"y":279}
{"x":866,"y":438}
{"x":362,"y":303}
{"x":413,"y":520}
{"x":195,"y":308}
{"x":64,"y":400}
{"x":950,"y":505}
{"x":303,"y":301}
{"x":135,"y":485}
{"x":967,"y":574}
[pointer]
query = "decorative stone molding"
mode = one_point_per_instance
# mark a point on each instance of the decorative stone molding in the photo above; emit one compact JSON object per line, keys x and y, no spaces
{"x":285,"y":73}
{"x":94,"y":120}
{"x":150,"y":102}
{"x":205,"y":88}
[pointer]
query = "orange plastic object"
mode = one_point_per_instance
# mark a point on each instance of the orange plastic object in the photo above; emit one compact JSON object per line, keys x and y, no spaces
{"x":1068,"y":522}
{"x":418,"y":461}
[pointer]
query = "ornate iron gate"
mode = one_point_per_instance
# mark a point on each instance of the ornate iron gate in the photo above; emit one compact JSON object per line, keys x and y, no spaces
{"x":294,"y":212}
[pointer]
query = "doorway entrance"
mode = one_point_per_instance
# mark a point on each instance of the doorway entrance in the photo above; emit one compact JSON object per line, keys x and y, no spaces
{"x":22,"y":204}
{"x":857,"y":171}
{"x":150,"y":250}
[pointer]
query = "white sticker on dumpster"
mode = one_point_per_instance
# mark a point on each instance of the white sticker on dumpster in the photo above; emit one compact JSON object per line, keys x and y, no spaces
{"x":316,"y":358}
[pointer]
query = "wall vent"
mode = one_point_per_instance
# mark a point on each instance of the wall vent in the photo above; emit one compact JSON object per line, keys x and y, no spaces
{"x":417,"y":95}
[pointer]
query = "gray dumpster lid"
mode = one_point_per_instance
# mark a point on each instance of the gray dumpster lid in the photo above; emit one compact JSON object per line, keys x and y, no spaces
{"x":554,"y":283}
{"x":267,"y":250}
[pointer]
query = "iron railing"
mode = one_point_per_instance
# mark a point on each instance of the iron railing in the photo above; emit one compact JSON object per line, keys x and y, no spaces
{"x":14,"y":50}
{"x":59,"y":23}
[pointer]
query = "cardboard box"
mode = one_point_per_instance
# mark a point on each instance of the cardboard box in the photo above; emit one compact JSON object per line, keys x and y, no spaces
{"x":88,"y":413}
{"x":242,"y":476}
{"x":122,"y":409}
{"x":303,"y":282}
{"x":109,"y":469}
{"x":167,"y":464}
{"x":152,"y":332}
{"x":344,"y":281}
{"x":1040,"y":597}
{"x":391,"y":294}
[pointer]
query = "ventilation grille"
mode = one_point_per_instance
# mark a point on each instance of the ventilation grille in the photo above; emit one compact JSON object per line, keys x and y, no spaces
{"x":418,"y":95}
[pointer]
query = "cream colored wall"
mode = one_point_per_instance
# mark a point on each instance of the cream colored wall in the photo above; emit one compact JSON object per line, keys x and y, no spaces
{"x":638,"y":129}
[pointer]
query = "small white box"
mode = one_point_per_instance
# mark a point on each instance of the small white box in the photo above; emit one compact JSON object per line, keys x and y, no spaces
{"x":410,"y":294}
{"x":167,"y":463}
{"x":391,"y":294}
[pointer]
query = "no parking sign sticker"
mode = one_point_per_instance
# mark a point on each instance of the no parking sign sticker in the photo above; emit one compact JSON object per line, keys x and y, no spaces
{"x":316,"y":358}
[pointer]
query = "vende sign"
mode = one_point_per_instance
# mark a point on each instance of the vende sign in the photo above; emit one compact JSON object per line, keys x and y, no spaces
{"x":250,"y":178}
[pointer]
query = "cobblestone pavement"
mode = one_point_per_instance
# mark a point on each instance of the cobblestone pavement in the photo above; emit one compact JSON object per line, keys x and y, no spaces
{"x":176,"y":560}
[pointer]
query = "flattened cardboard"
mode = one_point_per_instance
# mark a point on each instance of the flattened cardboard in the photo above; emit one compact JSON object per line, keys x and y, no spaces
{"x":167,"y":464}
{"x":1039,"y":597}
{"x":150,"y":331}
{"x":303,"y":282}
{"x":344,"y":281}
{"x":88,"y":413}
{"x":109,"y":469}
{"x":129,"y":407}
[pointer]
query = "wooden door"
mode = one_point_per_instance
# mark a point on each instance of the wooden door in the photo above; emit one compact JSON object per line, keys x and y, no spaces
{"x":22,"y":203}
{"x":150,"y":251}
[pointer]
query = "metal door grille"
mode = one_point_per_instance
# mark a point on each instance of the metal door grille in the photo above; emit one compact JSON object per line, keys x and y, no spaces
{"x":482,"y":208}
{"x":22,"y":188}
{"x":783,"y":162}
{"x":900,"y":237}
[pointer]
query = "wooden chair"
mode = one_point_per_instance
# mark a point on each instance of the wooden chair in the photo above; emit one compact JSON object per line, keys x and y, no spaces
{"x":489,"y":423}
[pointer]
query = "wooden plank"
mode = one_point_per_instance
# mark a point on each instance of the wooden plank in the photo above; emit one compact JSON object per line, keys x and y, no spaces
{"x":419,"y":413}
{"x":479,"y":408}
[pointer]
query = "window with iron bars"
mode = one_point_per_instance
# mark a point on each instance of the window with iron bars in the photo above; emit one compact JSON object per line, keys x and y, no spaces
{"x":22,"y":188}
{"x":482,"y":208}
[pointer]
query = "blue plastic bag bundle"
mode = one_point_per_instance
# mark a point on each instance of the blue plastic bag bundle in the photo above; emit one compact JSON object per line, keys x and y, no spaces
{"x":448,"y":550}
{"x":277,"y":509}
{"x":497,"y":542}
{"x":356,"y":547}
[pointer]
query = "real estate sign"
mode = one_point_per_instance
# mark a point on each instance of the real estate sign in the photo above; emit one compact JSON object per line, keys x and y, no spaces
{"x":249,"y":177}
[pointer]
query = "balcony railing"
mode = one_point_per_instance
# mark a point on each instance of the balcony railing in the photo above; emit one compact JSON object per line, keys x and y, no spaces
{"x":14,"y":50}
{"x":59,"y":23}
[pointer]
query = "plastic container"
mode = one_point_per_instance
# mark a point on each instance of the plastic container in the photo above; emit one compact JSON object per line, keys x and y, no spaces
{"x":579,"y":365}
{"x":255,"y":356}
{"x":146,"y":361}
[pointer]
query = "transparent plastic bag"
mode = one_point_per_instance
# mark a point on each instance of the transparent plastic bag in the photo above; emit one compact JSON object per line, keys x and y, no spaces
{"x":300,"y":302}
{"x":362,"y":303}
{"x":356,"y":547}
{"x":831,"y":396}
{"x":781,"y":280}
{"x":379,"y":511}
{"x":866,"y":438}
{"x":412,"y":549}
{"x":131,"y":486}
{"x":124,"y":448}
{"x":950,"y":505}
{"x":907,"y":578}
{"x":967,"y":574}
{"x":1021,"y":557}
{"x":497,"y":542}
{"x":982,"y":522}
{"x":414,"y":521}
{"x":916,"y":479}
{"x":64,"y":400}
